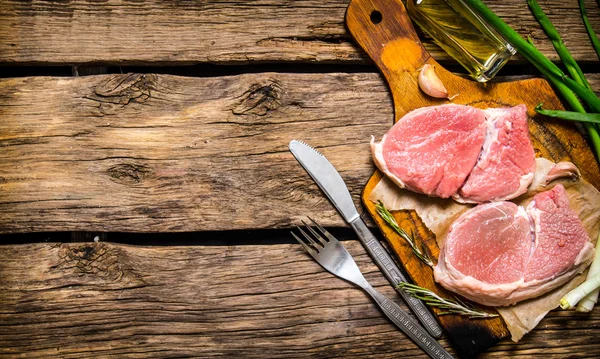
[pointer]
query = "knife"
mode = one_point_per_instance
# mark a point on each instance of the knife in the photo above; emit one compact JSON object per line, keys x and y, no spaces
{"x":332,"y":184}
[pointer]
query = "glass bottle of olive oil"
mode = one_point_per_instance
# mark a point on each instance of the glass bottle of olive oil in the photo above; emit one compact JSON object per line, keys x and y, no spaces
{"x":463,"y":34}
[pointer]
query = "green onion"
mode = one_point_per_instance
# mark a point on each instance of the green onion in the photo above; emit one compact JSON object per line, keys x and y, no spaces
{"x":564,"y":85}
{"x":574,"y":70}
{"x":576,"y":105}
{"x":569,"y":115}
{"x":547,"y":67}
{"x":585,"y":288}
{"x":588,"y":27}
{"x":587,"y":303}
{"x":586,"y":94}
{"x":558,"y":43}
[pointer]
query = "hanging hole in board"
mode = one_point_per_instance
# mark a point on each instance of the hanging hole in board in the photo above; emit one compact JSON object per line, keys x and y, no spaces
{"x":376,"y":17}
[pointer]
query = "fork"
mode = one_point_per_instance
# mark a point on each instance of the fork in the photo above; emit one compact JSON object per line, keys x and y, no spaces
{"x":332,"y":256}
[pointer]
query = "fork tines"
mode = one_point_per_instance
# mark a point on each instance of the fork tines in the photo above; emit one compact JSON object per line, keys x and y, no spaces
{"x":314,"y":241}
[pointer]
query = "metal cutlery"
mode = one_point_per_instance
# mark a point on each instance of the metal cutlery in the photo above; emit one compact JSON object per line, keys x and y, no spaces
{"x":332,"y":256}
{"x":332,"y":184}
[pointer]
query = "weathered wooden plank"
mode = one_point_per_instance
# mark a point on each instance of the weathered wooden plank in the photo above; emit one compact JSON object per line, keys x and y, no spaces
{"x":141,"y":153}
{"x":184,"y":32}
{"x":80,"y":299}
{"x":145,"y":153}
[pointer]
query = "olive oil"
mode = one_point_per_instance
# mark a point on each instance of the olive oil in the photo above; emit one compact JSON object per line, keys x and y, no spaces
{"x":463,"y":34}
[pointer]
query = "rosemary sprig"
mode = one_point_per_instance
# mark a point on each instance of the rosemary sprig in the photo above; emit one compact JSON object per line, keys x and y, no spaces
{"x":391,"y":221}
{"x":455,"y":306}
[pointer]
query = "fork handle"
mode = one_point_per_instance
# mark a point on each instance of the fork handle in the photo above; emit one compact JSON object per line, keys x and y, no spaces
{"x":408,"y":325}
{"x":395,"y":276}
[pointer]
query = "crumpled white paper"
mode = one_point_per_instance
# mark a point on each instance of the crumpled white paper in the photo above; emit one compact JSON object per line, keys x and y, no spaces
{"x":438,"y":214}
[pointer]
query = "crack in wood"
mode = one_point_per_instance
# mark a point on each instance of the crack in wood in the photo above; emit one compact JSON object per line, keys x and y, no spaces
{"x":294,"y":41}
{"x":119,"y":91}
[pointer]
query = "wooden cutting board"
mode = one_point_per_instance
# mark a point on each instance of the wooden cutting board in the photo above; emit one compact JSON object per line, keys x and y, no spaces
{"x":383,"y":29}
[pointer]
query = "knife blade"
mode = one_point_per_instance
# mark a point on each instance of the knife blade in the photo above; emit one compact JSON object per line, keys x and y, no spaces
{"x":334,"y":187}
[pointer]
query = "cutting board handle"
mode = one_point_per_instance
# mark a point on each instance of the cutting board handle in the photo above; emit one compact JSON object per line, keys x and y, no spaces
{"x":384,"y":30}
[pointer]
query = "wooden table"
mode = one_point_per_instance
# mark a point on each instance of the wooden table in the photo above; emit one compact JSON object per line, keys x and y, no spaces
{"x":161,"y":129}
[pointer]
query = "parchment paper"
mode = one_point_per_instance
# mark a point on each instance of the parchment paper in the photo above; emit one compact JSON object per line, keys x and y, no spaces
{"x":438,"y":214}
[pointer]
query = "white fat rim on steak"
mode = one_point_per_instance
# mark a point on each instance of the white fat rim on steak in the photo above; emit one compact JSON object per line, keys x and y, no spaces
{"x":377,"y":149}
{"x":491,"y":136}
{"x":507,"y":293}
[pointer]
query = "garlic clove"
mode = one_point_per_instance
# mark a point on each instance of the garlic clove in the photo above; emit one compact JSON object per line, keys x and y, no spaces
{"x":430,"y":83}
{"x":562,"y":169}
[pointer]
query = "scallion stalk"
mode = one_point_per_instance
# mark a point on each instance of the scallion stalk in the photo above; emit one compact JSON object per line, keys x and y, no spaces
{"x":564,"y":85}
{"x":584,"y":93}
{"x":558,"y":43}
{"x":588,"y":27}
{"x":574,"y":103}
{"x":569,"y":115}
{"x":547,"y":67}
{"x":573,"y":69}
{"x":573,"y":297}
{"x":586,"y":304}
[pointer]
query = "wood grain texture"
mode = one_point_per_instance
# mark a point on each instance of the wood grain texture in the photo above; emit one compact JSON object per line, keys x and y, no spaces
{"x":240,"y":31}
{"x":395,"y":48}
{"x":81,"y":300}
{"x":141,"y":153}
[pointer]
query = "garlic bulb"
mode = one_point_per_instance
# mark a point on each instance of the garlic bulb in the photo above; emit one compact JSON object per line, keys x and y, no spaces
{"x":430,"y":83}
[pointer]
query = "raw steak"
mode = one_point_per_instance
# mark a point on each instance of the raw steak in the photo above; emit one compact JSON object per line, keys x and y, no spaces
{"x":432,"y":150}
{"x":560,"y":235}
{"x":506,"y":165}
{"x":459,"y":151}
{"x":499,"y":253}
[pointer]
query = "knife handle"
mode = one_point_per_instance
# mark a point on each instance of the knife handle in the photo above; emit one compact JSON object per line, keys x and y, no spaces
{"x":395,"y":276}
{"x":411,"y":328}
